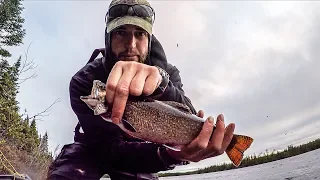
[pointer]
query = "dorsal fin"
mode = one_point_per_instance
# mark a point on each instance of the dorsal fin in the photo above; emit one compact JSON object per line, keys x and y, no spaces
{"x":179,"y":106}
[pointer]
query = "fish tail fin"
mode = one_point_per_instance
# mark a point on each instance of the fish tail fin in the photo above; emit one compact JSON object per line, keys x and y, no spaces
{"x":239,"y":144}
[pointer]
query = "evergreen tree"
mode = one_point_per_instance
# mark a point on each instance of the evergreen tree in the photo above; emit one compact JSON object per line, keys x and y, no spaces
{"x":18,"y":132}
{"x":9,"y":115}
{"x":44,"y":143}
{"x":33,"y":128}
{"x":11,"y":30}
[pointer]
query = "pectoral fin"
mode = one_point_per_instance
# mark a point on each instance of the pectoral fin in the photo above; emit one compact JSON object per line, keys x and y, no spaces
{"x":128,"y":126}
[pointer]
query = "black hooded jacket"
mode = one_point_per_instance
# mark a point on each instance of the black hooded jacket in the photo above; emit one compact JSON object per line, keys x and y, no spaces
{"x":109,"y":145}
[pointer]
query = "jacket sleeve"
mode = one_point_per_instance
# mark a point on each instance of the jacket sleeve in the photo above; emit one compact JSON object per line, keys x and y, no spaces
{"x":174,"y":90}
{"x":109,"y":143}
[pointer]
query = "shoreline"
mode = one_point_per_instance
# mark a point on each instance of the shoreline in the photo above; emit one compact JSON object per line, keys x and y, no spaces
{"x":252,"y":160}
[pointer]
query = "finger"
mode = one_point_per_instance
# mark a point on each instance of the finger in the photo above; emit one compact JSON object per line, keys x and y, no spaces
{"x":218,"y":134}
{"x":201,"y":141}
{"x":200,"y":114}
{"x":215,"y":144}
{"x":226,"y":141}
{"x":227,"y":137}
{"x":121,"y":94}
{"x":138,"y":83}
{"x":112,"y":82}
{"x":152,"y":81}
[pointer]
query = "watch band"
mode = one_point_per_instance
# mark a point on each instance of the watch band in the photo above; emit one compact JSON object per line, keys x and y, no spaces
{"x":164,"y":82}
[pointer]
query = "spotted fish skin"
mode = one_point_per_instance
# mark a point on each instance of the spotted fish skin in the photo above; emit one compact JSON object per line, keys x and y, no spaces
{"x":160,"y":122}
{"x":163,"y":122}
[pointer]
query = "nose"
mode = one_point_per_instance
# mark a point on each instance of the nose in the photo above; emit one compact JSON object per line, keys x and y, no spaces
{"x":132,"y":42}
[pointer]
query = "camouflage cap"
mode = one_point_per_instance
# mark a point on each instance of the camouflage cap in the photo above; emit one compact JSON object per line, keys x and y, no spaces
{"x":145,"y":23}
{"x":129,"y":2}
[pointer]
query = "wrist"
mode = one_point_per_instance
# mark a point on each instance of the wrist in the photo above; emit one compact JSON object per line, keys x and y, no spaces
{"x":169,"y":158}
{"x":163,"y":83}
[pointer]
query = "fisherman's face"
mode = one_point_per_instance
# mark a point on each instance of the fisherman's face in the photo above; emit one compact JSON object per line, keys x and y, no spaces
{"x":129,"y":43}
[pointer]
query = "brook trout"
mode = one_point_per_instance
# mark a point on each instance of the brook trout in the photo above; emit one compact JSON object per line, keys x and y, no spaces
{"x":164,"y":122}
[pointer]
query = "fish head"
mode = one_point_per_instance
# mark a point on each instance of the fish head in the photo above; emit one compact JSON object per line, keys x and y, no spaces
{"x":90,"y":101}
{"x":98,"y":90}
{"x":96,"y":100}
{"x":94,"y":104}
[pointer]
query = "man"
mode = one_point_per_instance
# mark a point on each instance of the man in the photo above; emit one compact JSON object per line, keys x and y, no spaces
{"x":134,"y":64}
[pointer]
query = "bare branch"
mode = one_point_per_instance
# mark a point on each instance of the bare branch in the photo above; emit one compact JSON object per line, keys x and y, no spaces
{"x":43,"y":113}
{"x":30,"y":77}
{"x":27,"y":66}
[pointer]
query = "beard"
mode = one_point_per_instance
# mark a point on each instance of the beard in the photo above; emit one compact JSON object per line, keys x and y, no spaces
{"x":141,"y":58}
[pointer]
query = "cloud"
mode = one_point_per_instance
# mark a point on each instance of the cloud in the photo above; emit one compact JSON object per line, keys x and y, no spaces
{"x":265,"y":79}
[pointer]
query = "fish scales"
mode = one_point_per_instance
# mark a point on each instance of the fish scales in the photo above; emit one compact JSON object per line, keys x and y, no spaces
{"x":163,"y":122}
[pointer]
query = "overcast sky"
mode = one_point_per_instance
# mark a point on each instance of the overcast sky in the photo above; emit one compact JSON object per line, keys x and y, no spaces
{"x":255,"y":62}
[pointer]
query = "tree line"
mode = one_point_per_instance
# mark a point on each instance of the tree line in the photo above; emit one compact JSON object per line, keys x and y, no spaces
{"x":22,"y":148}
{"x":256,"y":159}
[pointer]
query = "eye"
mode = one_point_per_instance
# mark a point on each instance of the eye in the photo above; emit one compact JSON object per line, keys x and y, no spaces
{"x":141,"y":33}
{"x":120,"y":33}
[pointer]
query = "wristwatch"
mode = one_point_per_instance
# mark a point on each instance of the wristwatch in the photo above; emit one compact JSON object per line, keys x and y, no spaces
{"x":164,"y":82}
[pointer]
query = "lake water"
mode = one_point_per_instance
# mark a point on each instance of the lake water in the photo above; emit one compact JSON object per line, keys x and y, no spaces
{"x":301,"y":167}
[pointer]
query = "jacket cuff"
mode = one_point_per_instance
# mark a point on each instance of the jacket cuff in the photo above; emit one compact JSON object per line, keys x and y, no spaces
{"x":167,"y":160}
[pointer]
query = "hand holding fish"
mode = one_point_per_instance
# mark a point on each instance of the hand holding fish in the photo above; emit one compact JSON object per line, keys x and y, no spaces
{"x":129,"y":78}
{"x":172,"y":124}
{"x":206,"y":145}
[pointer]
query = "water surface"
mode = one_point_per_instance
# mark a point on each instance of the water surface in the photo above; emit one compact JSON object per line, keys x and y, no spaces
{"x":301,"y":167}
